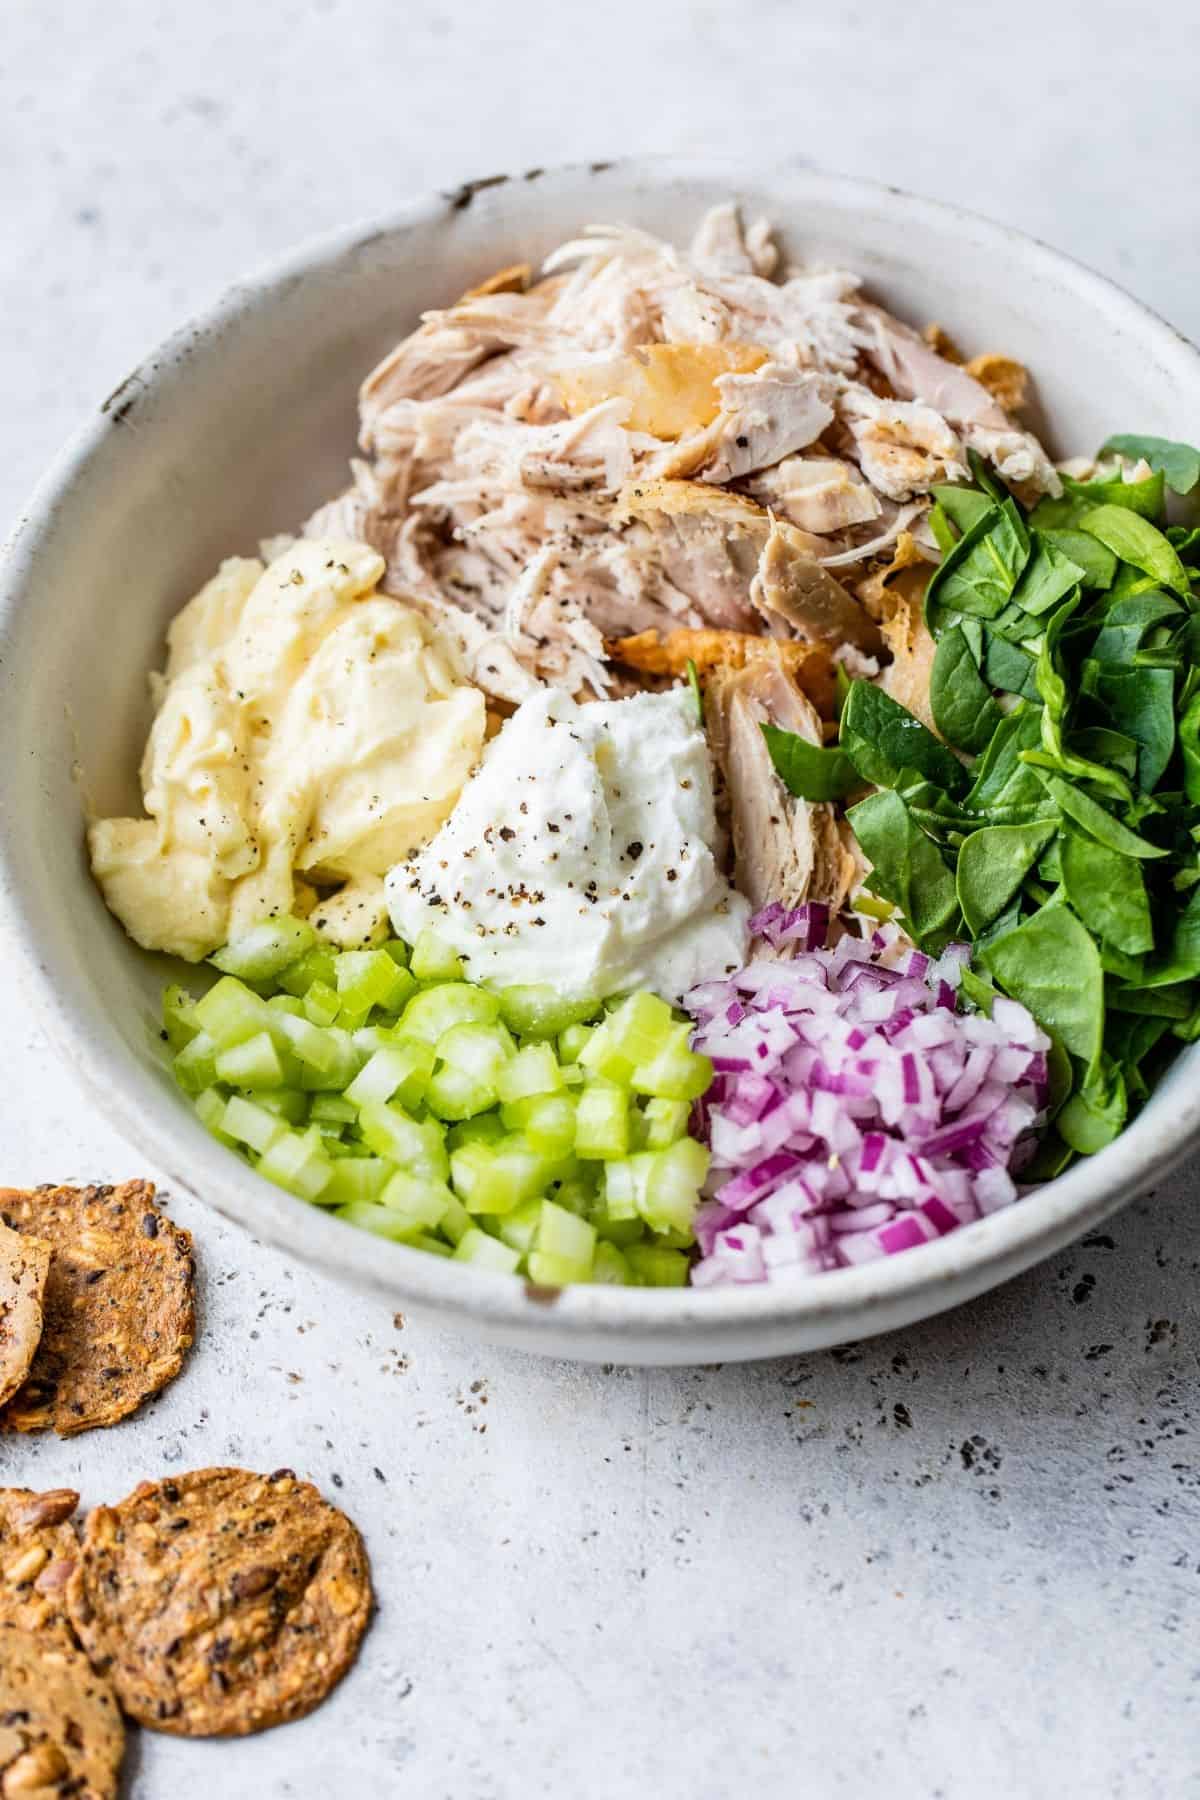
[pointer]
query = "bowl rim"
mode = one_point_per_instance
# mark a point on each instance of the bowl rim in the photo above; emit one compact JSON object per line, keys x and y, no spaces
{"x":595,"y":1321}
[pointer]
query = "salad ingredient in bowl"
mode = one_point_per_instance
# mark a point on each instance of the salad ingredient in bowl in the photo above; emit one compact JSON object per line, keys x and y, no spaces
{"x":913,"y":837}
{"x":581,"y":854}
{"x":505,"y":1127}
{"x":309,"y":730}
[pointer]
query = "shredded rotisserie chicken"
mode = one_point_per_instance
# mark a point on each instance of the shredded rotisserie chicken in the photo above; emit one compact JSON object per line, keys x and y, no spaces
{"x":649,"y":457}
{"x":794,"y":429}
{"x":784,"y":849}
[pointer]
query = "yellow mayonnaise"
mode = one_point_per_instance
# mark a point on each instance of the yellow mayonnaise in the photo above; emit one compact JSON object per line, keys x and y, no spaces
{"x":310,"y":733}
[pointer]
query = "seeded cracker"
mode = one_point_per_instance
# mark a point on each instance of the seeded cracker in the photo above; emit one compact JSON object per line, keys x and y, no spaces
{"x":119,"y":1312}
{"x":60,"y":1731}
{"x":24,"y":1265}
{"x":38,"y":1550}
{"x":220,"y":1602}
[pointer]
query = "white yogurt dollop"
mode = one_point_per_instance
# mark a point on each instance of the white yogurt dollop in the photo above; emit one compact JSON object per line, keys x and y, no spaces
{"x":580,"y":855}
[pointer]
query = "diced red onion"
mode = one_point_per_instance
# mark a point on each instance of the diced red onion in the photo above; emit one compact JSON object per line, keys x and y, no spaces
{"x":856,"y":1111}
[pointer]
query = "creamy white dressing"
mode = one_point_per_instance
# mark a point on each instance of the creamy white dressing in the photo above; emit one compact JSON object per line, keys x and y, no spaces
{"x":580,"y":855}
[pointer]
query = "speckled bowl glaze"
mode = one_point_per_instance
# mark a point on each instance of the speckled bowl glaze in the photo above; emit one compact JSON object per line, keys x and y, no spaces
{"x":235,"y":429}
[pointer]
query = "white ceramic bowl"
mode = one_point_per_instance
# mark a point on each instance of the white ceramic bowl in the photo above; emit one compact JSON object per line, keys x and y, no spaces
{"x":235,"y":429}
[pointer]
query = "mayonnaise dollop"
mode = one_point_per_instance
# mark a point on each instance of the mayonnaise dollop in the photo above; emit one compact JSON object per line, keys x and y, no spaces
{"x":309,"y":732}
{"x":580,"y":854}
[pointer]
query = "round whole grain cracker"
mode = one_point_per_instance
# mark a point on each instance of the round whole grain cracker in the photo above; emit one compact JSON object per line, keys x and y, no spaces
{"x":38,"y":1550}
{"x":220,"y":1602}
{"x":60,"y":1728}
{"x":24,"y":1266}
{"x":119,"y":1307}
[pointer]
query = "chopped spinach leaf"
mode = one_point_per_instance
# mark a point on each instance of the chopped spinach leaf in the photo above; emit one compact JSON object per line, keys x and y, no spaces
{"x":1051,"y":965}
{"x":907,"y":868}
{"x":1079,"y":497}
{"x":980,"y":573}
{"x":1049,"y":576}
{"x":963,"y":709}
{"x":882,"y":739}
{"x":992,"y":864}
{"x":1096,"y":563}
{"x":1108,"y":891}
{"x":1179,"y":463}
{"x":810,"y":771}
{"x":1136,"y":541}
{"x":1094,"y":818}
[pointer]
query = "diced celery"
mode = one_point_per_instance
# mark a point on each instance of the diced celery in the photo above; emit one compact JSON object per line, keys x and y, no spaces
{"x":470,"y":1059}
{"x":321,"y":1004}
{"x":565,"y":1234}
{"x":554,"y":1271}
{"x":624,"y":1186}
{"x":673,"y":1240}
{"x":641,"y":1027}
{"x":335,"y":1108}
{"x":571,"y":1042}
{"x":602,"y":1121}
{"x":416,"y":1145}
{"x":485,"y":1128}
{"x":493,"y":1178}
{"x":179,"y":1017}
{"x":486,"y":1252}
{"x":316,"y":965}
{"x":346,"y":1065}
{"x":315,"y":1046}
{"x":452,"y":1094}
{"x":403,"y":989}
{"x":456,"y":1221}
{"x":621,"y":1232}
{"x":367,"y":978}
{"x":479,"y":1050}
{"x":674,"y":1178}
{"x":266,"y":949}
{"x":251,"y":1125}
{"x":657,"y":1268}
{"x":539,"y":1012}
{"x":435,"y":1011}
{"x":531,"y":1153}
{"x":665,"y":1120}
{"x":533,"y":1070}
{"x":287,"y":1103}
{"x":434,"y":1246}
{"x":298,"y":1163}
{"x":358,"y":1178}
{"x":287,"y":1003}
{"x":432,"y":959}
{"x":210,"y":1110}
{"x":400,"y":1069}
{"x":422,"y":1203}
{"x":254,"y":1064}
{"x":546,"y":1121}
{"x":609,"y":1267}
{"x":576,"y":1194}
{"x":230,"y":1013}
{"x":370,"y":1216}
{"x":676,"y":1072}
{"x":519,"y":1227}
{"x":195,"y":1067}
{"x":603,"y":1056}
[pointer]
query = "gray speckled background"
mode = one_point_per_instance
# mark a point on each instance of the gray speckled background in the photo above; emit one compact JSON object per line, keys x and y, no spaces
{"x":948,"y":1565}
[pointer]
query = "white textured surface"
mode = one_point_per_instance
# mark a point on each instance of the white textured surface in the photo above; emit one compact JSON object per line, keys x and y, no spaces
{"x":959,"y":1562}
